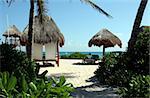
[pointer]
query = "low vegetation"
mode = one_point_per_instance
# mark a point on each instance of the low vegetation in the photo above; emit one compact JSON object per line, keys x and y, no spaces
{"x":19,"y":78}
{"x":129,"y":71}
{"x":75,"y":55}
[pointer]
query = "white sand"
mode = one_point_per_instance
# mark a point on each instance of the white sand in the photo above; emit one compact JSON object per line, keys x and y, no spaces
{"x":75,"y":74}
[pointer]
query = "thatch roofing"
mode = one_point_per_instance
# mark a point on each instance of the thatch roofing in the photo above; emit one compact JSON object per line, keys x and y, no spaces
{"x":105,"y":38}
{"x":45,"y":33}
{"x":12,"y":31}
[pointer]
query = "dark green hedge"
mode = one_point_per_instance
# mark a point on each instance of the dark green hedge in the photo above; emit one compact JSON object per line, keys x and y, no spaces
{"x":76,"y":55}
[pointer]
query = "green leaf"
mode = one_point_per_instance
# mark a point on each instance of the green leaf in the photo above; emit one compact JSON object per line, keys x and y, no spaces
{"x":24,"y":94}
{"x":24,"y":84}
{"x":12,"y":83}
{"x":1,"y":85}
{"x":33,"y":86}
{"x":54,"y":80}
{"x":62,"y":81}
{"x":4,"y":78}
{"x":131,"y":84}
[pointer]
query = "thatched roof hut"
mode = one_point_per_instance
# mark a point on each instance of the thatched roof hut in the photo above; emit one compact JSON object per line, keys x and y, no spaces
{"x":105,"y":38}
{"x":12,"y":31}
{"x":45,"y":33}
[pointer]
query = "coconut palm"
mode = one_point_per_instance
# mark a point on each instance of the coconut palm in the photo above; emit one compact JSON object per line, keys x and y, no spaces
{"x":137,"y":23}
{"x":41,"y":11}
{"x":31,"y":15}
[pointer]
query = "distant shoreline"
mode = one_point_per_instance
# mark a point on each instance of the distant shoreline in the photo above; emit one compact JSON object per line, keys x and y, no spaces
{"x":93,"y":53}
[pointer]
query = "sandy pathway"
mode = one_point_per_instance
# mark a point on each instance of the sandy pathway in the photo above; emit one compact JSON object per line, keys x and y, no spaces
{"x":75,"y":74}
{"x":79,"y":75}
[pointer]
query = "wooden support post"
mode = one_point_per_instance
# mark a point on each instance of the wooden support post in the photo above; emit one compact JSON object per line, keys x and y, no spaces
{"x":57,"y":61}
{"x":103,"y":53}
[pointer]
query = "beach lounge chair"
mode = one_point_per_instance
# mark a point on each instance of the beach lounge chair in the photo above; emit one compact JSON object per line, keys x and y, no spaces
{"x":91,"y":59}
{"x":51,"y":52}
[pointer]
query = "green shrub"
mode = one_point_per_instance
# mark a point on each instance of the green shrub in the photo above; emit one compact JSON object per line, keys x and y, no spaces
{"x":113,"y":71}
{"x":7,"y":85}
{"x":35,"y":89}
{"x":139,"y":86}
{"x":75,"y":55}
{"x":17,"y":63}
{"x":20,"y":78}
{"x":129,"y":70}
{"x":65,"y":57}
{"x":140,"y":53}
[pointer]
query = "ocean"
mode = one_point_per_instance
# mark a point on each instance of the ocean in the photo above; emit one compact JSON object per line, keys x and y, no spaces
{"x":92,"y":53}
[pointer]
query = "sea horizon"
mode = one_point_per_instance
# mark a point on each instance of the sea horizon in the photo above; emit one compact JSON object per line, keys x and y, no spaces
{"x":85,"y":52}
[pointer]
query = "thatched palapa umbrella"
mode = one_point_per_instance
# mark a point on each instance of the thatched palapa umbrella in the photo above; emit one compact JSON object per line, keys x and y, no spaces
{"x":105,"y":38}
{"x":45,"y":33}
{"x":12,"y":32}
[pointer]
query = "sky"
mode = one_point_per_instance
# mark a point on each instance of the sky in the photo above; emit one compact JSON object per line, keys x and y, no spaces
{"x":78,"y":21}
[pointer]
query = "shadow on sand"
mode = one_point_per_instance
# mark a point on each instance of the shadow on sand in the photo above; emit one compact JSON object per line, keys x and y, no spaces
{"x":46,"y":65}
{"x":95,"y":90}
{"x":79,"y":63}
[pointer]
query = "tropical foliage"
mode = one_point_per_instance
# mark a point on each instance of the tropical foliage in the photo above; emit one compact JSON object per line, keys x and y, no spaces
{"x":138,"y":87}
{"x":140,"y":54}
{"x":128,"y":70}
{"x":36,"y":89}
{"x":19,"y":78}
{"x":16,"y":62}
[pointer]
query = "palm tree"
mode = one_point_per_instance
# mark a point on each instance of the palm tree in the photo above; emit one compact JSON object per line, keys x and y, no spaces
{"x":41,"y":11}
{"x":137,"y":22}
{"x":31,"y":15}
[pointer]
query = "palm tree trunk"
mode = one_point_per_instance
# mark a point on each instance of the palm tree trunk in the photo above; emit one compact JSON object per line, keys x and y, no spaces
{"x":137,"y":23}
{"x":31,"y":15}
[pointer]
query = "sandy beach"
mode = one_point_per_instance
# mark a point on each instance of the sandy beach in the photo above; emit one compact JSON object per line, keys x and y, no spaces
{"x":78,"y":75}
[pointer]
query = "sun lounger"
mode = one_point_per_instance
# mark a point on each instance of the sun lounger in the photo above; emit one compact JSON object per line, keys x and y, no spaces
{"x":91,"y":60}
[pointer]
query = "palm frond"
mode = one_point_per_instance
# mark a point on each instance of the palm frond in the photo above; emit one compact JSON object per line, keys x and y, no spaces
{"x":9,"y":2}
{"x":96,"y":7}
{"x":41,"y":10}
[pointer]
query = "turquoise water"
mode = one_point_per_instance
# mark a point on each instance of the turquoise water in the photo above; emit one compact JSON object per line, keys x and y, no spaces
{"x":68,"y":53}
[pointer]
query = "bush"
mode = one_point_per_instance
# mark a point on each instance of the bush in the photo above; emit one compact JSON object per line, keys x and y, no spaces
{"x":7,"y":85}
{"x":129,"y":70}
{"x":140,"y":53}
{"x":17,"y":63}
{"x":113,"y":71}
{"x":35,"y":89}
{"x":76,"y":55}
{"x":139,"y":86}
{"x":20,"y":78}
